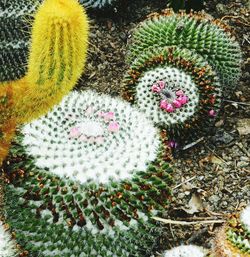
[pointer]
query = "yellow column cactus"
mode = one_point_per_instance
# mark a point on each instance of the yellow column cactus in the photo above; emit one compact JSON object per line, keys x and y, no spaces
{"x":59,"y":43}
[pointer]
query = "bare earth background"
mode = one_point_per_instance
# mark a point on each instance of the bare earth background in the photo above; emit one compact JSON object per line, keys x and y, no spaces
{"x":212,"y":178}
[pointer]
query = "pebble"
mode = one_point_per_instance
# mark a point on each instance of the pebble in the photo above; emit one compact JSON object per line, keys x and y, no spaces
{"x":214,"y":198}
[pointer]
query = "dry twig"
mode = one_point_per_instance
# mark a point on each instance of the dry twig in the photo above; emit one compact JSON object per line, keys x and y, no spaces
{"x":187,"y":223}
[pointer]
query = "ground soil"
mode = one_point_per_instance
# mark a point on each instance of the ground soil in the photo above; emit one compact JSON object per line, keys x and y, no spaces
{"x":212,"y":178}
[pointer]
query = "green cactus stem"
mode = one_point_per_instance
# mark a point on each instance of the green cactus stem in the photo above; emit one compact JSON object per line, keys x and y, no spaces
{"x":94,"y":185}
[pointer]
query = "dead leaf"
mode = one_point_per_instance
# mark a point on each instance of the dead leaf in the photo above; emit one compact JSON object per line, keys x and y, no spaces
{"x":216,"y":160}
{"x":211,"y":159}
{"x":243,"y":126}
{"x":195,"y":204}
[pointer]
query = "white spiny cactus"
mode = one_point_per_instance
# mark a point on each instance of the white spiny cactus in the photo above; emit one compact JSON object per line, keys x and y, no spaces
{"x":92,"y":137}
{"x":94,"y":175}
{"x":186,"y":251}
{"x":149,"y":102}
{"x":7,"y":246}
{"x":245,"y":218}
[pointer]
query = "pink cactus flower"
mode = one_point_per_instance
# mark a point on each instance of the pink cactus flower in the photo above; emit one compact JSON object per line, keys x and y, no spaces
{"x":212,"y":113}
{"x":183,"y":99}
{"x":83,"y":138}
{"x":155,"y":88}
{"x":177,"y":104}
{"x":179,"y":93}
{"x":107,"y":115}
{"x":161,"y":84}
{"x":163,"y":104}
{"x":113,"y":126}
{"x":158,"y":86}
{"x":101,"y":114}
{"x":169,"y":108}
{"x":99,"y":140}
{"x":172,"y":144}
{"x":74,"y":132}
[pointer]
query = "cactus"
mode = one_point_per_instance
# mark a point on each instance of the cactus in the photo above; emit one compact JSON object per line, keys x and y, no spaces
{"x":97,"y":4}
{"x":180,"y":66}
{"x":93,"y":186}
{"x":7,"y":244}
{"x":62,"y":32}
{"x":234,"y":238}
{"x":15,"y":17}
{"x":197,"y":32}
{"x":186,"y":251}
{"x":57,"y":56}
{"x":177,"y":70}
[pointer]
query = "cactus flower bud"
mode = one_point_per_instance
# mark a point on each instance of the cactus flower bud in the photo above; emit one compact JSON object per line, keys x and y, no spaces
{"x":169,"y":108}
{"x":212,"y":113}
{"x":163,"y":104}
{"x":177,"y":104}
{"x":113,"y":126}
{"x":183,"y":99}
{"x":161,"y":84}
{"x":155,"y":88}
{"x":179,"y":93}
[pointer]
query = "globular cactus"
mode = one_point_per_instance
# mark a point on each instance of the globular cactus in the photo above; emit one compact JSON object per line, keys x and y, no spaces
{"x":86,"y":180}
{"x":176,"y":88}
{"x":234,"y":238}
{"x":186,"y":251}
{"x":57,"y":56}
{"x":195,"y":31}
{"x":180,"y":66}
{"x":7,"y":244}
{"x":97,"y":4}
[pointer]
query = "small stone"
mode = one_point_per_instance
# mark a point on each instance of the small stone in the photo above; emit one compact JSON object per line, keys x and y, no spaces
{"x":214,"y":199}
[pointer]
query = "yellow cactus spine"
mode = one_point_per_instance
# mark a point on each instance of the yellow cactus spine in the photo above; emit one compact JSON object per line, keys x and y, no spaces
{"x":58,"y":52}
{"x":57,"y":57}
{"x":7,"y":123}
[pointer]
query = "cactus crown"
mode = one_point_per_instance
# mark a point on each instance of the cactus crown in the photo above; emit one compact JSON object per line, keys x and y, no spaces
{"x":87,"y":133}
{"x":109,"y":197}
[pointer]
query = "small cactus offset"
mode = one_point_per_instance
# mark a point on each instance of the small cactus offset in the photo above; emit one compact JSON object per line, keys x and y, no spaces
{"x":97,"y":4}
{"x":7,"y":245}
{"x":95,"y":183}
{"x":180,"y":66}
{"x":57,"y":56}
{"x":234,"y":238}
